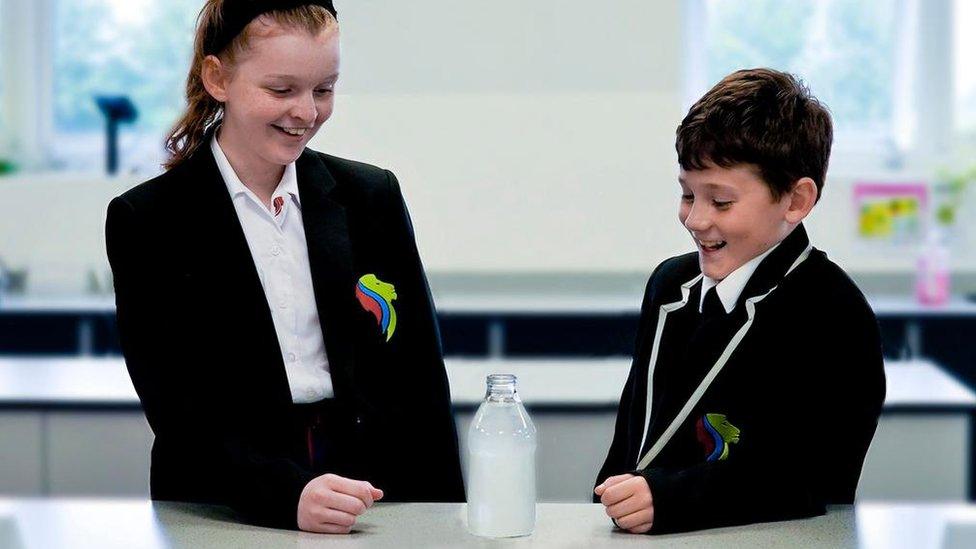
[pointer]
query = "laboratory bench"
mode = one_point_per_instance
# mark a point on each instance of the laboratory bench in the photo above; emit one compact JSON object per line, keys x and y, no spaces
{"x":28,"y":523}
{"x":73,"y":426}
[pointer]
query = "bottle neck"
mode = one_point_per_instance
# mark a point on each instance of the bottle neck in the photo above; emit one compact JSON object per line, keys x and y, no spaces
{"x":501,"y":388}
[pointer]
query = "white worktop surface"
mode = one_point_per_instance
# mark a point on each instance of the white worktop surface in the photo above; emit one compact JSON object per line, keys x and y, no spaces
{"x":508,"y":304}
{"x":74,"y":381}
{"x":138,"y":524}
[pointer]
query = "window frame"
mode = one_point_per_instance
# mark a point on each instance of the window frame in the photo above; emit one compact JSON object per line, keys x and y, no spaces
{"x":925,"y":103}
{"x":28,"y":84}
{"x":923,"y":100}
{"x":965,"y":133}
{"x":27,"y":37}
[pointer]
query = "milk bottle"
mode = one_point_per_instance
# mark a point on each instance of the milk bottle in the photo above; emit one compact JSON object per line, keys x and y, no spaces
{"x":501,"y":464}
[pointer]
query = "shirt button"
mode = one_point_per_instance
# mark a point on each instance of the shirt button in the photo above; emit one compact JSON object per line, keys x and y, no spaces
{"x":311,"y":393}
{"x":292,"y":357}
{"x":275,"y":250}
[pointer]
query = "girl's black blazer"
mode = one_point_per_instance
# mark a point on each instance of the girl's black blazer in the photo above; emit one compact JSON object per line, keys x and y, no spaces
{"x":201,"y":349}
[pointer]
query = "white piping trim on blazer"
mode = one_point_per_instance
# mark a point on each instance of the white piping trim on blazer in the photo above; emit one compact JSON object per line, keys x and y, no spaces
{"x":665,"y":309}
{"x":711,"y":375}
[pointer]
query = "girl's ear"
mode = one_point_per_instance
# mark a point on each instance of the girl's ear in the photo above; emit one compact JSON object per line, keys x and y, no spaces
{"x":215,"y":78}
{"x":802,"y":198}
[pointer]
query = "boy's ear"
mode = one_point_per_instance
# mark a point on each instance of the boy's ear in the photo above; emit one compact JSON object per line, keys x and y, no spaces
{"x":214,"y":76}
{"x":802,"y":198}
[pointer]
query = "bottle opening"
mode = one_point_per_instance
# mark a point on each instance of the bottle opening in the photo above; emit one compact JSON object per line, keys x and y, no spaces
{"x":501,"y":386}
{"x":501,"y":379}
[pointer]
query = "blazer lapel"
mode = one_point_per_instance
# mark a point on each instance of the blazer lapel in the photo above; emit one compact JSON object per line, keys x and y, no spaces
{"x":226,"y":257}
{"x":331,"y":263}
{"x":711,"y":338}
{"x":773,"y":268}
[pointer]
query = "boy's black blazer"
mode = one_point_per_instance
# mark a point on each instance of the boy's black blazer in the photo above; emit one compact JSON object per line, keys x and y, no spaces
{"x":200,"y":345}
{"x":804,"y":388}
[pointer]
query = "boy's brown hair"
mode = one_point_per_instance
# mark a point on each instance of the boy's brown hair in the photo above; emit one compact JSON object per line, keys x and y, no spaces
{"x":761,"y":117}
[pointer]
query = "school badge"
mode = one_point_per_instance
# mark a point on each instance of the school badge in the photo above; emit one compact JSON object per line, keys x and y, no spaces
{"x":715,"y":433}
{"x":377,"y":298}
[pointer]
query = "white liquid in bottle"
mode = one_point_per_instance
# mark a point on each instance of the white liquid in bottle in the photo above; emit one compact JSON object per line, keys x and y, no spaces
{"x":501,"y":464}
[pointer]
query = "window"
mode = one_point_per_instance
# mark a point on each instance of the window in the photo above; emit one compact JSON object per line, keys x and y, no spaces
{"x":4,"y":147}
{"x":138,"y":48}
{"x":965,"y":69}
{"x":848,"y":52}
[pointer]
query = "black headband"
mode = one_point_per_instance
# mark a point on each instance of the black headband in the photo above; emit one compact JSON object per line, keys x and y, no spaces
{"x":237,"y":14}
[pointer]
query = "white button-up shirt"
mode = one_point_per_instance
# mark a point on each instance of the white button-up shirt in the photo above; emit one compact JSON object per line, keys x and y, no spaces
{"x":276,"y":238}
{"x":730,"y":288}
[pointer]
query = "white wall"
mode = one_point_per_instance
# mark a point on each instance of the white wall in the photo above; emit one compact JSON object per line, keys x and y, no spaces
{"x":539,"y":136}
{"x":529,"y":137}
{"x":54,"y":226}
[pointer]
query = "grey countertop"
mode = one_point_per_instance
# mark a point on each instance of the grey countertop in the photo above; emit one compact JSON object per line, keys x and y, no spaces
{"x":594,"y":383}
{"x":509,"y":303}
{"x":135,"y":524}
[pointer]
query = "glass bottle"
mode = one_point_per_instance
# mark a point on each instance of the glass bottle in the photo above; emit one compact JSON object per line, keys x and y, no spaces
{"x":501,"y":464}
{"x":932,"y":278}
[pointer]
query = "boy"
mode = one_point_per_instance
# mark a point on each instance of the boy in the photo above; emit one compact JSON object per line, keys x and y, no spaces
{"x":763,"y":357}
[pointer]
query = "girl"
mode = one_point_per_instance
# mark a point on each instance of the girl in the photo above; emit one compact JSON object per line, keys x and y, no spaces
{"x":272,"y":307}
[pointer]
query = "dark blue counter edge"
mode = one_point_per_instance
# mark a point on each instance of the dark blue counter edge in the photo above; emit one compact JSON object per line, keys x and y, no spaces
{"x":94,"y":406}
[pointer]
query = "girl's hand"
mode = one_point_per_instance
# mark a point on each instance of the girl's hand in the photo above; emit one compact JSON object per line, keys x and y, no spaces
{"x":628,"y":502}
{"x":329,"y":504}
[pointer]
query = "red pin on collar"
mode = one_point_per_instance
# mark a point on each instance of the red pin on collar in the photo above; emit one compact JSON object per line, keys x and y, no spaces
{"x":278,"y":202}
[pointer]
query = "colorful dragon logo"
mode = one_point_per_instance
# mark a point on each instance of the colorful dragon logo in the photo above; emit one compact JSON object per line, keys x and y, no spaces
{"x":715,"y":433}
{"x":377,"y":297}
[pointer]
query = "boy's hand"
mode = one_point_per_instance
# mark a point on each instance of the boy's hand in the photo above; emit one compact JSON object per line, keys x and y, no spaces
{"x":329,"y":504}
{"x":628,"y":502}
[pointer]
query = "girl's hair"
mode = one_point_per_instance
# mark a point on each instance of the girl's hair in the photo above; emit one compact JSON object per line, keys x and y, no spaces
{"x":202,"y":110}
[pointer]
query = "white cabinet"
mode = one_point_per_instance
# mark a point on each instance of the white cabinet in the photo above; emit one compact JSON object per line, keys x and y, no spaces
{"x":21,"y":453}
{"x":73,"y":427}
{"x":96,"y":452}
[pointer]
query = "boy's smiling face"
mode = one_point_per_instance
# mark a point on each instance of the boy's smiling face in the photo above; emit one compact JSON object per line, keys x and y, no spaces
{"x":732,"y":216}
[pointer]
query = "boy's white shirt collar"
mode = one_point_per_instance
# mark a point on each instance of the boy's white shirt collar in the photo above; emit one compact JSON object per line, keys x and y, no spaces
{"x":730,"y":288}
{"x":287,"y":186}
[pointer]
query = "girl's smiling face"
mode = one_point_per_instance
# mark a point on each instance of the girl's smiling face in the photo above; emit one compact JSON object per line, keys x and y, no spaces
{"x":277,"y":94}
{"x":732,"y":216}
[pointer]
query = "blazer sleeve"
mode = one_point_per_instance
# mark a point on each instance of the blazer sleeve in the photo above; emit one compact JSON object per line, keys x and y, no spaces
{"x":437,"y":473}
{"x":618,"y":458}
{"x":813,"y":439}
{"x":264,"y":486}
